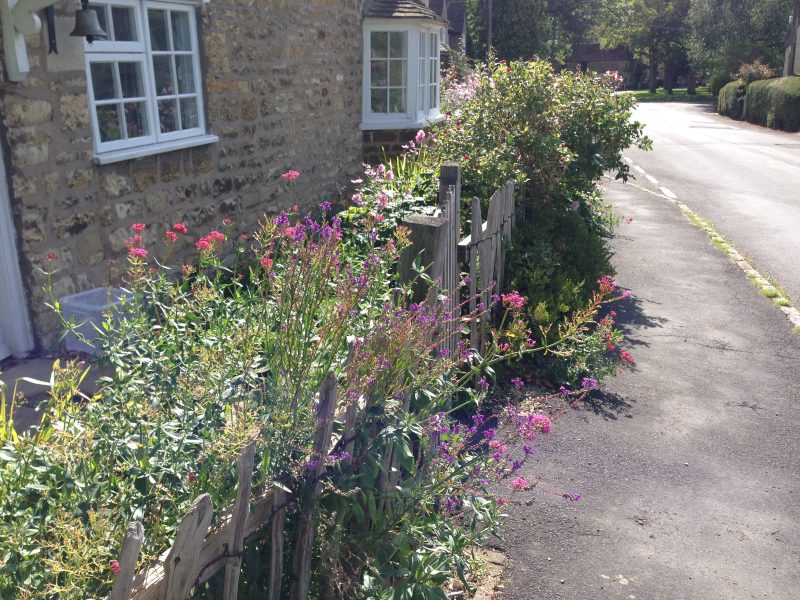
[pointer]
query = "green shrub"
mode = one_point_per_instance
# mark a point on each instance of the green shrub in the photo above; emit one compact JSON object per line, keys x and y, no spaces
{"x":774,"y":103}
{"x":717,"y":82}
{"x":731,"y":100}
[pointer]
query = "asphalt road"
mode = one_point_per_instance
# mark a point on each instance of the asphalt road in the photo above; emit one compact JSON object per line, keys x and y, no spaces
{"x":689,"y":465}
{"x":745,"y":179}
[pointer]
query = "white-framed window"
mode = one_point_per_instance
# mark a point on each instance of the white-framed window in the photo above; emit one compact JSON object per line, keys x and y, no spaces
{"x":144,"y":80}
{"x":401,"y":74}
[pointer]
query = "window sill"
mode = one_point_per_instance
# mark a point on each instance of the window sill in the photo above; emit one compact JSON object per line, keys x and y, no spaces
{"x":400,"y":123}
{"x":141,"y":151}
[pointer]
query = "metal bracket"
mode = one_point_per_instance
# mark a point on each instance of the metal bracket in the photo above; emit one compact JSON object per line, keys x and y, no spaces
{"x":19,"y":19}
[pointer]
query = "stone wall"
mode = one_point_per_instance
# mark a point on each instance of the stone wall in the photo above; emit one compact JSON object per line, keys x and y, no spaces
{"x":282,"y":82}
{"x":385,"y":142}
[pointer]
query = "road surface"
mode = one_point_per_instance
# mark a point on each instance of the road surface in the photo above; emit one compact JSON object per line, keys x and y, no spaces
{"x":689,"y":465}
{"x":745,"y":179}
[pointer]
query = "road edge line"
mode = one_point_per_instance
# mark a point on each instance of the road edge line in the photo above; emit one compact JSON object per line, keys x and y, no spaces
{"x":761,"y":282}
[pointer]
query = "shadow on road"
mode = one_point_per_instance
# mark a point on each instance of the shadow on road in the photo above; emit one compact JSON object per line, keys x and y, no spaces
{"x":631,"y":318}
{"x":608,"y":405}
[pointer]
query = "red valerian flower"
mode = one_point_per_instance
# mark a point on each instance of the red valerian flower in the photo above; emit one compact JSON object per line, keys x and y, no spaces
{"x":513,"y":300}
{"x":290,"y":175}
{"x":50,"y":256}
{"x":266,"y":263}
{"x":138,"y":227}
{"x":171,"y":237}
{"x":137,"y":252}
{"x":115,"y":568}
{"x":180,"y":228}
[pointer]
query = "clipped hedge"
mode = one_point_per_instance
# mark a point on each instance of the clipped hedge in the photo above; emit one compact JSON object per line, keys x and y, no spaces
{"x":774,"y":103}
{"x":731,"y":100}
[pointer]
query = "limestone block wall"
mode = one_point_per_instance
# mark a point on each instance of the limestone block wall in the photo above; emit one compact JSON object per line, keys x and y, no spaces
{"x":388,"y":142}
{"x":283,"y":91}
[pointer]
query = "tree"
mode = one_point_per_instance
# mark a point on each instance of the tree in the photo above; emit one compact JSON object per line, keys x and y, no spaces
{"x":726,"y":33}
{"x":655,"y":29}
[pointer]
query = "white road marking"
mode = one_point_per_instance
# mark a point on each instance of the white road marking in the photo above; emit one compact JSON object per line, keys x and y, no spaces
{"x":639,"y":169}
{"x":627,"y":160}
{"x":668,"y":193}
{"x":652,"y":179}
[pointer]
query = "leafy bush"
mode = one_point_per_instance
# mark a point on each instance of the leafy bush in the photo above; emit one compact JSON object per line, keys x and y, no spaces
{"x":754,"y":71}
{"x":774,"y":103}
{"x":718,"y":81}
{"x":731,"y":100}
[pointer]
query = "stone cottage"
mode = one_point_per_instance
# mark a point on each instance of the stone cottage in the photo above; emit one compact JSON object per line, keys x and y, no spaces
{"x":187,"y":111}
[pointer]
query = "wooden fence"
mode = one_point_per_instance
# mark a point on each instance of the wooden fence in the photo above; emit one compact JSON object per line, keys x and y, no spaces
{"x":482,"y":253}
{"x":201,"y":550}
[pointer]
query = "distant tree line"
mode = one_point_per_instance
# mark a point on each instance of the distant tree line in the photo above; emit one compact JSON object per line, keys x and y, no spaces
{"x":673,"y":38}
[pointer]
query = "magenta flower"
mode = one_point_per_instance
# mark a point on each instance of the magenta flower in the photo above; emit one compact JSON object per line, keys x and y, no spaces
{"x":180,"y":228}
{"x":171,"y":237}
{"x":138,"y":227}
{"x":519,"y":483}
{"x":588,"y":383}
{"x":420,"y":137}
{"x":203,"y":245}
{"x":137,"y":252}
{"x":290,"y":175}
{"x":513,"y":300}
{"x":325,"y":206}
{"x":357,"y":199}
{"x":115,"y":568}
{"x":517,"y":382}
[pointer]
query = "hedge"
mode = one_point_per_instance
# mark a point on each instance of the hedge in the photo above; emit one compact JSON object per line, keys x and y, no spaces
{"x":774,"y":103}
{"x":730,"y":102}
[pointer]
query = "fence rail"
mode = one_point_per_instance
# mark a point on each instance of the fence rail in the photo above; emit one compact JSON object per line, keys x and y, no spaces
{"x":201,"y":550}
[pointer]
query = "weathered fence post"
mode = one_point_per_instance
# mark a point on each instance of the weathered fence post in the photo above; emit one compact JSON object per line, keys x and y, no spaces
{"x":241,"y":511}
{"x":428,"y":237}
{"x":179,"y":567}
{"x":276,"y":544}
{"x":301,"y":565}
{"x":131,"y":546}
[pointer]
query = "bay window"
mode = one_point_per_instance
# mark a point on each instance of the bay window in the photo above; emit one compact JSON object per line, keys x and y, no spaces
{"x":401,"y":74}
{"x":144,"y":80}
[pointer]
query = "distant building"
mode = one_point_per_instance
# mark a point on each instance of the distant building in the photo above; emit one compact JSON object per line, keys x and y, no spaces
{"x":454,"y":11}
{"x":594,"y":58}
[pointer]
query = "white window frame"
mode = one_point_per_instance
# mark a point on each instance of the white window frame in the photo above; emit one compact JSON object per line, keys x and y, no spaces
{"x":416,"y":80}
{"x":141,"y":52}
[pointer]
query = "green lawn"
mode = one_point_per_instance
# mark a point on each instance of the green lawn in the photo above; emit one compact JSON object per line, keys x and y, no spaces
{"x":678,"y":95}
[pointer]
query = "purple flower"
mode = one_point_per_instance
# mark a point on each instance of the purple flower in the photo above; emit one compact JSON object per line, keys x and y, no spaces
{"x":565,"y":390}
{"x":517,"y":382}
{"x":573,"y":497}
{"x":588,"y":383}
{"x":527,"y":450}
{"x":483,"y":384}
{"x":444,"y":352}
{"x":325,"y":206}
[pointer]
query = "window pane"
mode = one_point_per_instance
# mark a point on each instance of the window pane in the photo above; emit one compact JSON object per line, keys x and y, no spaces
{"x":184,"y":70}
{"x":379,"y":72}
{"x":397,"y":44}
{"x":168,"y":115}
{"x":379,"y":44}
{"x":378,"y":104}
{"x":159,"y":38}
{"x":162,"y":69}
{"x":130,"y":79}
{"x":434,"y":45}
{"x":181,"y":31}
{"x":108,"y":123}
{"x":190,"y":118}
{"x":433,"y":103}
{"x":103,"y":80}
{"x":136,"y":119}
{"x":397,"y":73}
{"x":124,"y":21}
{"x":397,"y":100}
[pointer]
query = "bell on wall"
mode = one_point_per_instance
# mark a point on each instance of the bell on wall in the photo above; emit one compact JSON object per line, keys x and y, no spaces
{"x":87,"y":25}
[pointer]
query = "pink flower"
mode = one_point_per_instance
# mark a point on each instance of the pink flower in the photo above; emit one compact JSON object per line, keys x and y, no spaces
{"x":227,"y":221}
{"x":625,"y":294}
{"x":519,"y":483}
{"x":266,"y":263}
{"x":138,"y":227}
{"x":203,"y":245}
{"x":290,"y":175}
{"x":389,"y":175}
{"x":50,"y":256}
{"x":381,"y":170}
{"x":137,"y":252}
{"x":215,"y":236}
{"x":180,"y":228}
{"x":383,"y":200}
{"x":357,"y":199}
{"x":513,"y":300}
{"x":170,"y":237}
{"x":420,"y":137}
{"x":607,"y":284}
{"x":115,"y":568}
{"x":626,"y":357}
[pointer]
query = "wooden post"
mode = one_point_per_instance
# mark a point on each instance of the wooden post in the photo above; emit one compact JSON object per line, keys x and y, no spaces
{"x":476,"y":238}
{"x":241,"y":511}
{"x":428,"y":236}
{"x":131,"y":545}
{"x":276,"y":544}
{"x":180,"y":568}
{"x":301,"y":565}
